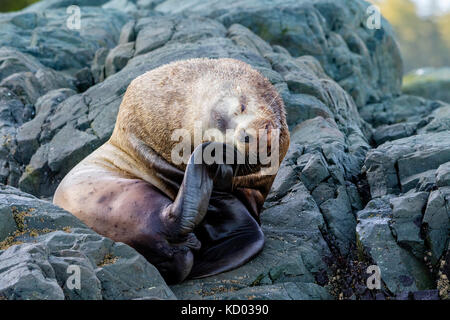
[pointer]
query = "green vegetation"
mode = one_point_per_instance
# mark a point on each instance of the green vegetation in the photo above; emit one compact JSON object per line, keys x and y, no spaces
{"x":14,"y":5}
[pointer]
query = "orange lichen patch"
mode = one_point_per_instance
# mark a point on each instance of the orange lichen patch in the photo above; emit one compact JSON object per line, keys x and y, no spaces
{"x":19,"y":217}
{"x":67,"y":229}
{"x":34,"y":233}
{"x":11,"y":240}
{"x":108,"y":259}
{"x":443,"y":284}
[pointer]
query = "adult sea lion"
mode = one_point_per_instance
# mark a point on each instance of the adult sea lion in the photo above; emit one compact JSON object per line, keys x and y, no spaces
{"x":193,"y":219}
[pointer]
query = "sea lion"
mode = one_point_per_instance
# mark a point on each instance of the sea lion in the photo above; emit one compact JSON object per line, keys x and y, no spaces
{"x":189,"y":220}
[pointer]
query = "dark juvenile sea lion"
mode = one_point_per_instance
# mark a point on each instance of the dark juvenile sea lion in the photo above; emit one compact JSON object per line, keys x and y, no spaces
{"x":193,"y":219}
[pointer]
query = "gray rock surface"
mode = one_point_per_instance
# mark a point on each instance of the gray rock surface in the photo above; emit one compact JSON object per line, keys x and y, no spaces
{"x":404,"y":108}
{"x":44,"y":34}
{"x":436,"y":221}
{"x":407,"y":215}
{"x":118,"y":57}
{"x":39,"y":242}
{"x":397,"y":166}
{"x":364,"y":62}
{"x":400,"y":269}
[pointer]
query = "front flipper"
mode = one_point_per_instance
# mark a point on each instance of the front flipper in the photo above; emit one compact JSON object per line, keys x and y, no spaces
{"x":230,"y":236}
{"x":188,"y":210}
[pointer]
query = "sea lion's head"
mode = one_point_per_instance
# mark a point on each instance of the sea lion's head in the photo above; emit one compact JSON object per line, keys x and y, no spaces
{"x":243,"y":110}
{"x":230,"y":102}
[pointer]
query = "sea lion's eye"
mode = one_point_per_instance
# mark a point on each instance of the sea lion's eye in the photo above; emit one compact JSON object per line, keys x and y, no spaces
{"x":243,"y":107}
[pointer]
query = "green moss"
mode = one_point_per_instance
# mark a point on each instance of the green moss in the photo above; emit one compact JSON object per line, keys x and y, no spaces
{"x":32,"y":177}
{"x":284,"y":31}
{"x":14,"y":5}
{"x":360,"y":249}
{"x":263,"y":31}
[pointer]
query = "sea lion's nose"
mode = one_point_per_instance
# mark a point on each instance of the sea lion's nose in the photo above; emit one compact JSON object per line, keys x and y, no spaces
{"x":244,"y":137}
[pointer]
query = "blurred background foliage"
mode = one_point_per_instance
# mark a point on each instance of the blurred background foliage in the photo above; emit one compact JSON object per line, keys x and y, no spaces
{"x":13,"y":5}
{"x":423,"y":30}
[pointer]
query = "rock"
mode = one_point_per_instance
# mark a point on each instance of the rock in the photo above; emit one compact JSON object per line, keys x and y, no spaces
{"x":187,"y":32}
{"x":400,"y":269}
{"x":40,"y":241}
{"x":28,"y":135}
{"x":57,"y":47}
{"x":427,"y":181}
{"x":25,"y":85}
{"x":121,"y":5}
{"x":153,"y":34}
{"x":397,"y":166}
{"x":13,"y":113}
{"x":56,"y":156}
{"x":405,"y":295}
{"x":438,"y":120}
{"x":430,"y":83}
{"x":426,"y":295}
{"x":436,"y":221}
{"x":407,"y":220}
{"x":54,"y":4}
{"x":84,"y":79}
{"x":50,"y":79}
{"x":13,"y":61}
{"x":118,"y":57}
{"x":314,"y":172}
{"x":27,"y":274}
{"x":340,"y":220}
{"x":393,"y":132}
{"x":286,"y":178}
{"x":283,"y":291}
{"x":443,"y":175}
{"x":404,"y":116}
{"x":243,"y":37}
{"x":98,"y":65}
{"x":334,"y":33}
{"x":127,"y":34}
{"x":148,"y":4}
{"x":404,"y":108}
